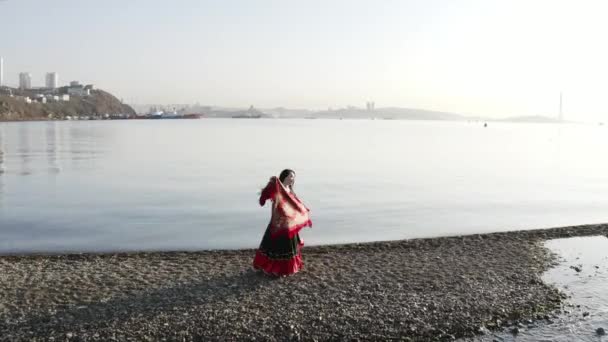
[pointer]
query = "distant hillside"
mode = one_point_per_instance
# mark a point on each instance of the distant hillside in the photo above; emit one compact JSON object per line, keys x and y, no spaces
{"x":97,"y":104}
{"x":532,"y":118}
{"x":388,"y":113}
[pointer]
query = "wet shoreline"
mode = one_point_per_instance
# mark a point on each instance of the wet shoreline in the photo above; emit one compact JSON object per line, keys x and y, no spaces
{"x":581,"y":273}
{"x":421,"y":289}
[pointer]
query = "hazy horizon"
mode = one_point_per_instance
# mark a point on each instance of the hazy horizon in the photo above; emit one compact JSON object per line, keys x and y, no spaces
{"x":476,"y":58}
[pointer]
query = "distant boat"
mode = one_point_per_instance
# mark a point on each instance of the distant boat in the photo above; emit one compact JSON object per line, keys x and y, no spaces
{"x":156,"y":114}
{"x":171,"y":115}
{"x":192,"y":116}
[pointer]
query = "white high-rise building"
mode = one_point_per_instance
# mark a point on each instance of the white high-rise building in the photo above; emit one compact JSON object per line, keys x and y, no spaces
{"x":25,"y":80}
{"x":52,"y":80}
{"x":1,"y":71}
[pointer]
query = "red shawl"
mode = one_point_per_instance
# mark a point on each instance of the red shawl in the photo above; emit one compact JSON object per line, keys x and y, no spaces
{"x":289,"y":214}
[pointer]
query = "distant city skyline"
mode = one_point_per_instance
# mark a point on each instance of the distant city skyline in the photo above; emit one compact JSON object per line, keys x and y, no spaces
{"x":473,"y":57}
{"x":26,"y":80}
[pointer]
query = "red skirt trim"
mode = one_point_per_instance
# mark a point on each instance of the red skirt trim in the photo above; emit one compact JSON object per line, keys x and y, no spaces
{"x":277,"y":267}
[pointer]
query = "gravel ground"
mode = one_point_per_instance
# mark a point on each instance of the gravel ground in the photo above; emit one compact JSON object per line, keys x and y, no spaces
{"x":420,"y":290}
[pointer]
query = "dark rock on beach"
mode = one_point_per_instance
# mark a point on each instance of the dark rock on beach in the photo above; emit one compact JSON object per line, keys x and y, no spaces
{"x":577,"y":268}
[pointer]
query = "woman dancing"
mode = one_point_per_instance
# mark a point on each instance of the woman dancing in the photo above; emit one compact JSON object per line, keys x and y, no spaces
{"x":280,"y":250}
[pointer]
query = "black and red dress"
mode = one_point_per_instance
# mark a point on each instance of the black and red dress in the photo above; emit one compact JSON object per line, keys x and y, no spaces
{"x":280,"y":250}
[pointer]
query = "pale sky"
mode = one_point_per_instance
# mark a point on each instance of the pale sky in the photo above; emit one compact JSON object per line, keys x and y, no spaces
{"x":490,"y":58}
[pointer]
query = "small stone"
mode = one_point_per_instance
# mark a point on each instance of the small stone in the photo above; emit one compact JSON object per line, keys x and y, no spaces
{"x":577,"y":268}
{"x":69,"y":335}
{"x":600,"y":331}
{"x":483,"y":330}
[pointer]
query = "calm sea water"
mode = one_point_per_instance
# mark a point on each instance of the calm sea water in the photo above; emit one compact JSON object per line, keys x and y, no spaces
{"x":193,"y":184}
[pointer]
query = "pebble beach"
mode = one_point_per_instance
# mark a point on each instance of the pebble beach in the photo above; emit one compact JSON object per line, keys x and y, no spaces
{"x":436,"y":289}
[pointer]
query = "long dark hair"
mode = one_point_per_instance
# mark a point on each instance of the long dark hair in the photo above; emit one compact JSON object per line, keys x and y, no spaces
{"x":284,"y":175}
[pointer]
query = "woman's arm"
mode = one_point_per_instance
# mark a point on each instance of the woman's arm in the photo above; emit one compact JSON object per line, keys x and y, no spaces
{"x":269,"y":191}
